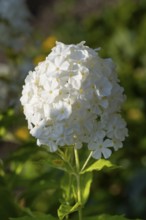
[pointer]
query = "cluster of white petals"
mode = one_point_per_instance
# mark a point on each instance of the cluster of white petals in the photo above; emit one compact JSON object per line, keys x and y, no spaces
{"x":74,"y":98}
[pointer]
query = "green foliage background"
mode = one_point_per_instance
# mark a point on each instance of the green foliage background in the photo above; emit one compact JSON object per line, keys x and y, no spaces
{"x":27,"y":174}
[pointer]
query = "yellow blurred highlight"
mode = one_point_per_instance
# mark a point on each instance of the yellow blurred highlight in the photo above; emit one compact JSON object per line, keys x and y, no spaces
{"x":16,"y":167}
{"x":10,"y":112}
{"x":2,"y":131}
{"x":2,"y":173}
{"x":22,"y":133}
{"x":19,"y":168}
{"x":38,"y":59}
{"x":135,"y":114}
{"x":48,"y":43}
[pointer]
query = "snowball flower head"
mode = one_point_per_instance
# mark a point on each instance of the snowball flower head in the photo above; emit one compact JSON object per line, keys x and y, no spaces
{"x":74,"y":97}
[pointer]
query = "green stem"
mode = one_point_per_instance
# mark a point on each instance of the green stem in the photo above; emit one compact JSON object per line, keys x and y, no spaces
{"x":62,"y":155}
{"x":66,"y":217}
{"x":77,"y":160}
{"x":79,"y":196}
{"x":86,"y":162}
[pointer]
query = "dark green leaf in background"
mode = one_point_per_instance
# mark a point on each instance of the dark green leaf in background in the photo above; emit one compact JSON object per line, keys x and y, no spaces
{"x":36,"y":217}
{"x":107,"y":217}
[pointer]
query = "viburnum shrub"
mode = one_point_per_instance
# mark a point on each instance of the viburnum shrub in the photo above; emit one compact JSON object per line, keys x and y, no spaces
{"x":72,"y":100}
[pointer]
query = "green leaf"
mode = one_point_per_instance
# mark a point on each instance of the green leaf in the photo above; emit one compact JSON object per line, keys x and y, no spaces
{"x":65,"y":210}
{"x":98,"y":165}
{"x":85,"y":183}
{"x":52,"y":159}
{"x":37,"y":216}
{"x":67,"y":186}
{"x":107,"y":217}
{"x":8,"y":206}
{"x":55,"y":161}
{"x":23,"y":218}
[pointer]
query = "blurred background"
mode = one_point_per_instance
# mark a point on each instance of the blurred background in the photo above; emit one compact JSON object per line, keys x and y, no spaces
{"x":28,"y":31}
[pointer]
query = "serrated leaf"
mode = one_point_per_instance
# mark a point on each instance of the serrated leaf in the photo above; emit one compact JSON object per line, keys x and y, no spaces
{"x":107,"y":217}
{"x":98,"y":165}
{"x":36,"y":217}
{"x":65,"y":210}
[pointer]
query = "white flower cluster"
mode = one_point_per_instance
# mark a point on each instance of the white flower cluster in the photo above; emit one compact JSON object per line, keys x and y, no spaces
{"x":73,"y":97}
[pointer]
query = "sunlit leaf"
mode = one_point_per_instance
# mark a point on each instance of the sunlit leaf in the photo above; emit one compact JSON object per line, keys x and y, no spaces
{"x":85,"y":184}
{"x":86,"y":181}
{"x":98,"y":165}
{"x":65,"y":210}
